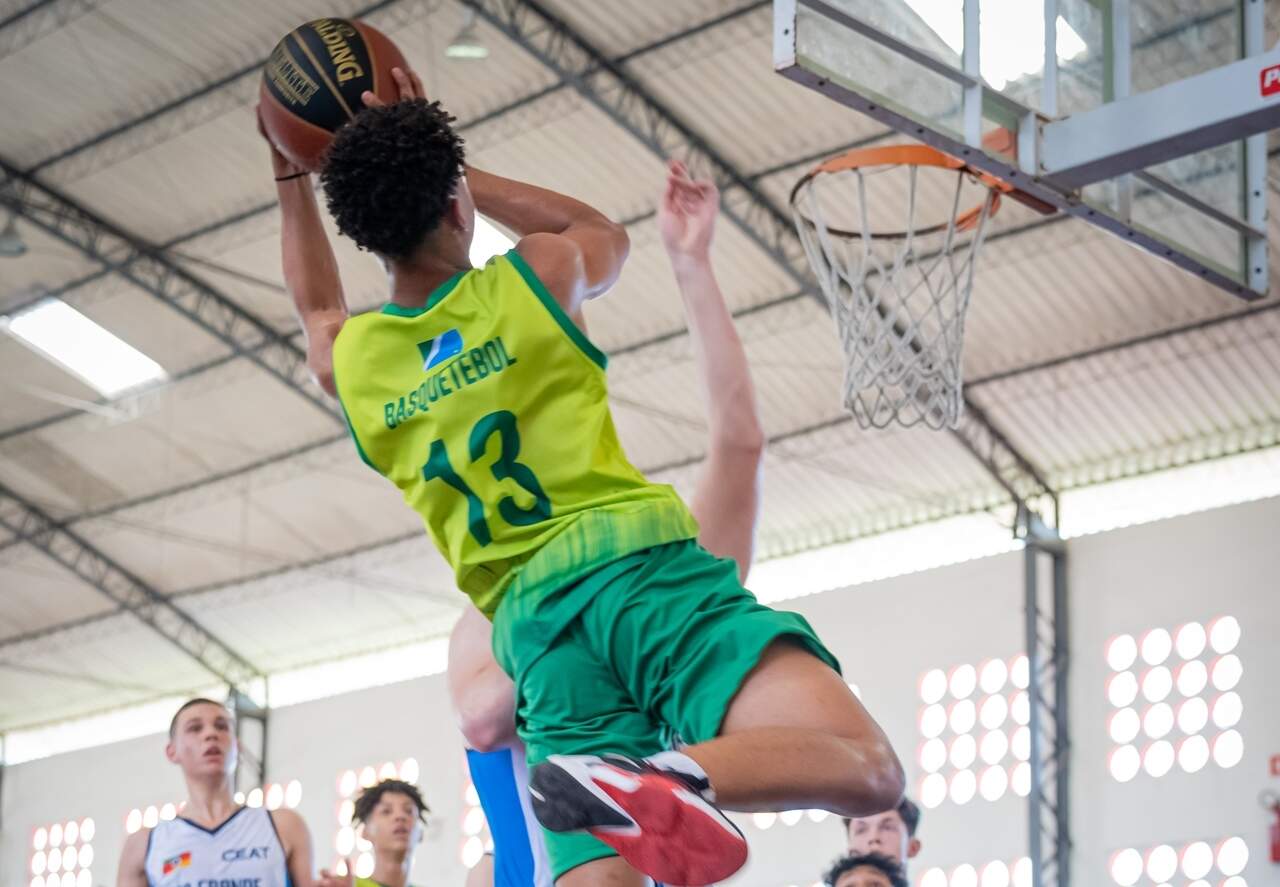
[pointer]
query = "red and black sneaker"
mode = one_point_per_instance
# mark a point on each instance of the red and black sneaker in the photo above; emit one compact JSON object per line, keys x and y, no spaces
{"x":660,"y":819}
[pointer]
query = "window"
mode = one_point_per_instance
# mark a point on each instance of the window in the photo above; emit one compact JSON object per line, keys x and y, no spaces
{"x":62,"y":854}
{"x":345,"y":839}
{"x":1190,"y":863}
{"x":1175,"y":700}
{"x":973,"y":726}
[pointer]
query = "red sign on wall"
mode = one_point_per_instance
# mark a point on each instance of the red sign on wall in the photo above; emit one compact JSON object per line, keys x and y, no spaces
{"x":1270,"y":80}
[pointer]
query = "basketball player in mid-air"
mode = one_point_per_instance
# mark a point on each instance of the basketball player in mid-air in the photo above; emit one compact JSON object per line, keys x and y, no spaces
{"x":726,"y":504}
{"x":215,"y":841}
{"x":477,"y":393}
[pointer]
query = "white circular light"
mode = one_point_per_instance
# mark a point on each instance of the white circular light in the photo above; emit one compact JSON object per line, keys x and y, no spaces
{"x":472,"y":852}
{"x":1122,"y":689}
{"x":55,"y":835}
{"x":473,"y":821}
{"x":994,"y":783}
{"x":255,"y":798}
{"x":993,"y":675}
{"x":275,"y":796}
{"x":963,"y":751}
{"x":1224,"y":634}
{"x":963,"y":787}
{"x":933,"y":790}
{"x":1158,"y":721}
{"x":363,"y":843}
{"x":368,"y":777}
{"x":994,"y":746}
{"x":84,"y":879}
{"x":1124,"y":763}
{"x":71,"y":832}
{"x":1192,"y":678}
{"x":933,"y":720}
{"x":1020,"y":671}
{"x":471,"y":796}
{"x":1021,"y":744}
{"x":1020,"y":779}
{"x":1233,"y":856}
{"x":38,"y":881}
{"x":1126,"y":867}
{"x":1020,"y":708}
{"x":1123,"y":726}
{"x":1228,"y":749}
{"x":933,"y":754}
{"x":1157,"y":684}
{"x":1022,"y":872}
{"x":345,"y":841}
{"x":70,"y":858}
{"x":133,"y":821}
{"x":1226,"y":672}
{"x":68,"y":879}
{"x":790,"y":817}
{"x":764,"y":821}
{"x":1227,"y":709}
{"x":816,"y":815}
{"x":1233,"y":881}
{"x":40,"y":838}
{"x":347,"y":783}
{"x":87,"y":829}
{"x":1156,"y":646}
{"x":86,"y":856}
{"x":239,"y":798}
{"x":387,"y":771}
{"x":364,"y":865}
{"x":1122,"y":652}
{"x":409,"y":770}
{"x":293,"y":794}
{"x":346,"y":812}
{"x":54,"y":860}
{"x":995,"y":874}
{"x":1197,"y":860}
{"x":150,"y":817}
{"x":934,"y":877}
{"x":38,"y":862}
{"x":963,"y":716}
{"x":1193,"y":714}
{"x":994,"y":711}
{"x":1193,"y":754}
{"x":1157,"y":760}
{"x":964,"y":876}
{"x":1190,"y":640}
{"x":1162,"y":863}
{"x":933,"y":686}
{"x":168,"y":812}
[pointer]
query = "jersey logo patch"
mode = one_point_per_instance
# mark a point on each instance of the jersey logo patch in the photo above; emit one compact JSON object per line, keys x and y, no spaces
{"x":181,"y":861}
{"x":440,"y":349}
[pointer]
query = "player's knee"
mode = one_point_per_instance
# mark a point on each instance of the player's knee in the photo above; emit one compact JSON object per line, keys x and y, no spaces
{"x":878,"y":781}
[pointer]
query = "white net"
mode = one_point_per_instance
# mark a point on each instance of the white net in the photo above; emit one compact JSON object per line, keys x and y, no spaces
{"x":899,"y":298}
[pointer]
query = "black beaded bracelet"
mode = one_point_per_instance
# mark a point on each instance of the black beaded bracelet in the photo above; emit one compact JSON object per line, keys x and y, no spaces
{"x":296,"y":175}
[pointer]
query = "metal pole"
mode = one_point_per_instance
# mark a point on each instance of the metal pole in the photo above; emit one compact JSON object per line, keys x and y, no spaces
{"x":1049,"y":85}
{"x":1035,"y":797}
{"x":1120,"y":53}
{"x":1061,"y":714}
{"x":972,"y":57}
{"x":1253,"y":27}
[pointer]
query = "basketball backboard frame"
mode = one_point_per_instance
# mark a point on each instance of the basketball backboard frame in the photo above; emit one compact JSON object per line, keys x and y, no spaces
{"x":1057,"y":157}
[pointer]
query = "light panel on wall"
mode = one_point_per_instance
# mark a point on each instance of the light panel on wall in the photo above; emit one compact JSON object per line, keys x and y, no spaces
{"x":1184,"y":679}
{"x":972,"y":722}
{"x":996,"y":873}
{"x":345,"y":840}
{"x":61,"y":854}
{"x":1195,"y":863}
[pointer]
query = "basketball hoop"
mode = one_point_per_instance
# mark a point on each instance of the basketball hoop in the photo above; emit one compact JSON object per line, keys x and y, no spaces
{"x":898,"y":294}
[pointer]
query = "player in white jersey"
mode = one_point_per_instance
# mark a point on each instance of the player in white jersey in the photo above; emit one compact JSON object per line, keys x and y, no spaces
{"x":216,"y":842}
{"x":726,"y":503}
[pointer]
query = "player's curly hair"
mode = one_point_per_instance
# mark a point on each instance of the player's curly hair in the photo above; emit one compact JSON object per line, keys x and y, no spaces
{"x":889,"y":867}
{"x":369,"y":798}
{"x":389,"y":175}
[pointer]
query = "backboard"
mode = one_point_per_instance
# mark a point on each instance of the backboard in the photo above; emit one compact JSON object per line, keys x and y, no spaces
{"x":1147,"y":118}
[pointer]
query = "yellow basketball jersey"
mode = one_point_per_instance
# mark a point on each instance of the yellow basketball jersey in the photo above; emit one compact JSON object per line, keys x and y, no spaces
{"x":488,"y":408}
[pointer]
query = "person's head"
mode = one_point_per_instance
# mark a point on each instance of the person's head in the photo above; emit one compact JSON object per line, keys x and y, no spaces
{"x":202,"y":739}
{"x":892,"y":833}
{"x":392,"y":815}
{"x":393,"y":179}
{"x":865,"y":870}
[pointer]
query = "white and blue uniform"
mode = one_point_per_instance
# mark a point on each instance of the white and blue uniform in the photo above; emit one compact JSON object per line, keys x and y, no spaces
{"x":501,"y":779}
{"x":245,"y":851}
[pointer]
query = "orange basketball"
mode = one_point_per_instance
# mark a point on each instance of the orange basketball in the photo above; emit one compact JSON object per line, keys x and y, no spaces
{"x":313,"y":81}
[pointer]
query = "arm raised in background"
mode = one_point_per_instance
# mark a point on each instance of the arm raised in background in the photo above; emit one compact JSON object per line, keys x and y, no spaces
{"x":484,"y":698}
{"x":726,"y":501}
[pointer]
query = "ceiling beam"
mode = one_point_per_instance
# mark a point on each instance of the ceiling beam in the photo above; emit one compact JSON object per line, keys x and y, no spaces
{"x":34,"y":21}
{"x":63,"y":546}
{"x":628,"y":103}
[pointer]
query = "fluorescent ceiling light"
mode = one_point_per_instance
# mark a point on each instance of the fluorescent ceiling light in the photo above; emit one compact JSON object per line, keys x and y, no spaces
{"x":80,"y":346}
{"x":487,"y":242}
{"x":467,"y":45}
{"x":1012,"y":34}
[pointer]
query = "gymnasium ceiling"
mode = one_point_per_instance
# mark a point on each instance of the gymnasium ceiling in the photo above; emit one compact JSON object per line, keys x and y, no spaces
{"x":237,"y":497}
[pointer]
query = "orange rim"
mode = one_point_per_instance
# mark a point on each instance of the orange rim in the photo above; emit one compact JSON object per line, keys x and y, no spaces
{"x":906,"y":155}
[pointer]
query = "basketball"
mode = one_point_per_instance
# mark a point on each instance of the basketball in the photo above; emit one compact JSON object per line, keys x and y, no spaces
{"x":313,"y":81}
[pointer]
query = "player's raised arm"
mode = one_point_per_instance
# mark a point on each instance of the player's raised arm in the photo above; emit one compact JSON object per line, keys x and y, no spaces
{"x":726,"y":501}
{"x":576,"y":250}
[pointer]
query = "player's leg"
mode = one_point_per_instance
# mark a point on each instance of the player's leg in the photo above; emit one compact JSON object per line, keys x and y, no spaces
{"x":609,"y":872}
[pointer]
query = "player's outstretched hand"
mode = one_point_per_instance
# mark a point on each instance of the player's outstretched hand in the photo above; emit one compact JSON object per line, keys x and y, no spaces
{"x":327,"y":878}
{"x":687,"y":214}
{"x":409,"y":84}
